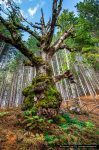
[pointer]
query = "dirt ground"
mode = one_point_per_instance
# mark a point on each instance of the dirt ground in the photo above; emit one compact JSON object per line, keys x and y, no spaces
{"x":10,"y":133}
{"x":88,"y":104}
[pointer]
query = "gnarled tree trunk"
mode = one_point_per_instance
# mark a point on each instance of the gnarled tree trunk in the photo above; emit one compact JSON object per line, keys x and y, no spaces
{"x":42,"y":95}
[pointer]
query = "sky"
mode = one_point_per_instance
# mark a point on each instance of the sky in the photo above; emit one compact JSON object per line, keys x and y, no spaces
{"x":31,"y":9}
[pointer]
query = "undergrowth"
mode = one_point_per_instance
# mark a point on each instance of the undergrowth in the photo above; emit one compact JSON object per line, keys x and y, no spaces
{"x":3,"y":114}
{"x":62,"y":129}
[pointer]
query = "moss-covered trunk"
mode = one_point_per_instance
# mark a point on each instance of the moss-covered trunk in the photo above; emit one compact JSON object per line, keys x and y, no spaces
{"x":42,"y":94}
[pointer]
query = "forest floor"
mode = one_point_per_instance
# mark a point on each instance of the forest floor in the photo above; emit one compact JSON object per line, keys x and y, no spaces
{"x":14,"y":137}
{"x":89,"y":104}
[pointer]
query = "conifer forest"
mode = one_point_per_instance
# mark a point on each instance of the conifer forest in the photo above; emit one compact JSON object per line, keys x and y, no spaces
{"x":49,"y":75}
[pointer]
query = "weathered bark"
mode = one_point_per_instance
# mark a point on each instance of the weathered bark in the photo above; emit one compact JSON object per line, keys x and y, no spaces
{"x":42,"y":94}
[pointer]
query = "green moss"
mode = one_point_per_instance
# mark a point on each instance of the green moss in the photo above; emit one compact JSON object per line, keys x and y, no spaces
{"x":41,"y":78}
{"x":28,"y":103}
{"x":29,"y":98}
{"x":51,"y":99}
{"x":44,"y":103}
{"x":27,"y":90}
{"x":38,"y":60}
{"x":44,"y":91}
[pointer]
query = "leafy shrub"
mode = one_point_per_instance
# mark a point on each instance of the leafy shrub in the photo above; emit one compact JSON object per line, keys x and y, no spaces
{"x":69,"y":120}
{"x":30,"y":112}
{"x":33,"y":122}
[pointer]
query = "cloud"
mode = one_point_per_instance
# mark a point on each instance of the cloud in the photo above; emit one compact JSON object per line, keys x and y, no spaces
{"x":32,"y":11}
{"x":18,"y":1}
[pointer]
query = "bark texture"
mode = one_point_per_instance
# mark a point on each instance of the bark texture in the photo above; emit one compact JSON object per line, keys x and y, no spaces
{"x":42,"y":95}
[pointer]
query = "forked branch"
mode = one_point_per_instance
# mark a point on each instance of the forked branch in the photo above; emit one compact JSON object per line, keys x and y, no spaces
{"x":55,"y":13}
{"x":57,"y":45}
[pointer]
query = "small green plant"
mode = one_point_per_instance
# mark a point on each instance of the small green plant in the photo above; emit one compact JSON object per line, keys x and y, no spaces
{"x":3,"y":114}
{"x":69,"y":121}
{"x":51,"y":139}
{"x":50,"y":121}
{"x":97,"y":132}
{"x":33,"y":122}
{"x":30,"y":112}
{"x":89,"y":124}
{"x":64,"y":126}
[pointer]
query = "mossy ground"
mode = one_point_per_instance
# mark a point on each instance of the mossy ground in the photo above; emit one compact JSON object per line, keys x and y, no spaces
{"x":15,"y":131}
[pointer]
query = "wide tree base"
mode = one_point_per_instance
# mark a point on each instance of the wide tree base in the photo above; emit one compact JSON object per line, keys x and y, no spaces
{"x":43,"y":97}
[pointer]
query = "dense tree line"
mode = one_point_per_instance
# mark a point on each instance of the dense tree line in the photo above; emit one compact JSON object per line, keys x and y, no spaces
{"x":74,"y":34}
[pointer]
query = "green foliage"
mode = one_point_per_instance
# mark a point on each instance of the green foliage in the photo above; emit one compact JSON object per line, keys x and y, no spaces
{"x":66,"y":19}
{"x":50,"y":121}
{"x":63,"y":130}
{"x":3,"y":114}
{"x":29,"y":112}
{"x":32,"y":44}
{"x":32,"y":120}
{"x":59,"y":119}
{"x":97,"y":132}
{"x":89,"y":10}
{"x":28,"y":90}
{"x":51,"y":139}
{"x":84,"y":39}
{"x":89,"y":124}
{"x":75,"y":121}
{"x":4,"y":30}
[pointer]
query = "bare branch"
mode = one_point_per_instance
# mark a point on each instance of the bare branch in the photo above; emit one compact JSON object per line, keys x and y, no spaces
{"x":31,"y":24}
{"x":6,"y":39}
{"x":14,"y":12}
{"x":63,"y":46}
{"x":36,"y":61}
{"x":67,"y":75}
{"x":42,"y":22}
{"x":27,"y":29}
{"x":68,"y":48}
{"x":59,"y":42}
{"x":13,"y":27}
{"x":55,"y":13}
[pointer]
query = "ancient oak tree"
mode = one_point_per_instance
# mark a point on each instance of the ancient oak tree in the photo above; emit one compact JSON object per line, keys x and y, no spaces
{"x":42,"y":94}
